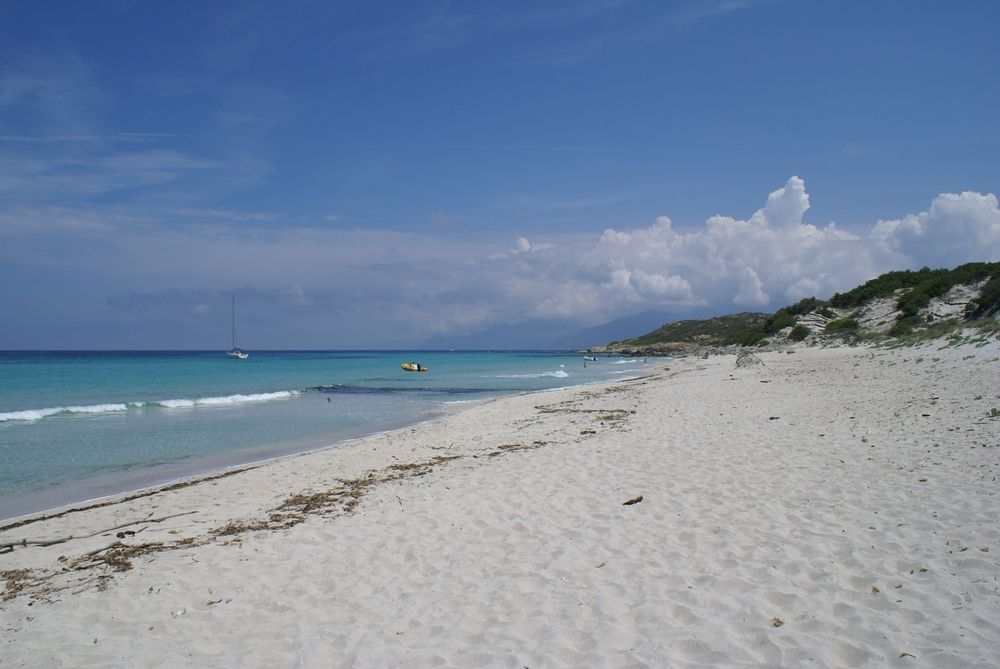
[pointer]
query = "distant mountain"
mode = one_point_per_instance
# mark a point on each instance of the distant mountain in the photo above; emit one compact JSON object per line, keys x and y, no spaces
{"x":533,"y":335}
{"x":549,"y":334}
{"x":626,"y":326}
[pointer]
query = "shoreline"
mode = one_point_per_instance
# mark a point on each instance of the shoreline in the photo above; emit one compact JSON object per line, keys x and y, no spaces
{"x":205,"y":472}
{"x":153,"y":483}
{"x":833,"y":507}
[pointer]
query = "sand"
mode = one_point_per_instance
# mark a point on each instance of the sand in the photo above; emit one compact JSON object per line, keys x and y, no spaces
{"x":829,"y":508}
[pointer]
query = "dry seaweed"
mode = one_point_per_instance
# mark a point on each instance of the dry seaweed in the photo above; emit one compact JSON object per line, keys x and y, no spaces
{"x":342,"y":498}
{"x":15,"y":580}
{"x":119,"y":500}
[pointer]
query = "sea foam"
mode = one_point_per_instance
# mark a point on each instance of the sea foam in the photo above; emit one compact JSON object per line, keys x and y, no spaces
{"x":38,"y":414}
{"x":559,"y":374}
{"x":228,"y":400}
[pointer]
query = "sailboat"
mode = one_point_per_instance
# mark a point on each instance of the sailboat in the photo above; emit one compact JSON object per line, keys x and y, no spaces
{"x":236,"y":351}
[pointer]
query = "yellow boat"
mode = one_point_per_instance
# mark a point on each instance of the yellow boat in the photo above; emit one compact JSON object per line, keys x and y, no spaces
{"x":413,"y":367}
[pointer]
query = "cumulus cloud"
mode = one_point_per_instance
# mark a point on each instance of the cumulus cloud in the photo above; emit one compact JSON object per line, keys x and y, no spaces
{"x":521,"y":246}
{"x":771,"y":258}
{"x":746,"y":262}
{"x":342,"y":287}
{"x":751,"y":292}
{"x":955,"y":228}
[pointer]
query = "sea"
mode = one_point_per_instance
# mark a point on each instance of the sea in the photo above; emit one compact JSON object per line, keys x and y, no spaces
{"x":79,"y":425}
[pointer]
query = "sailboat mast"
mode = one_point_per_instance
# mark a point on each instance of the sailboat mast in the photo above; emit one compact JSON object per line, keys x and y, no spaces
{"x":234,"y":321}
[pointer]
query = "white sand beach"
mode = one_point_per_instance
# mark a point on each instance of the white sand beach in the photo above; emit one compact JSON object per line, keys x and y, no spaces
{"x":829,"y":508}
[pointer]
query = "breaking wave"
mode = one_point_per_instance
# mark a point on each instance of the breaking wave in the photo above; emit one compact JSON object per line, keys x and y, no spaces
{"x":228,"y":400}
{"x":558,"y":374}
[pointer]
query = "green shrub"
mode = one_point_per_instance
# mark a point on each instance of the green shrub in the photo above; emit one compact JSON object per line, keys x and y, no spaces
{"x":900,"y":330}
{"x":750,"y":337}
{"x":826,"y":312}
{"x":905,"y":325}
{"x":842,"y":325}
{"x":806,"y":306}
{"x":988,"y":301}
{"x":923,"y":284}
{"x":798,"y":333}
{"x":779,"y":321}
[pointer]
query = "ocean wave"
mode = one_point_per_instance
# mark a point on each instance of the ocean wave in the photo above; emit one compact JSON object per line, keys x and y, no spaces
{"x":228,"y":400}
{"x":624,"y":362}
{"x":38,"y":414}
{"x":558,"y":374}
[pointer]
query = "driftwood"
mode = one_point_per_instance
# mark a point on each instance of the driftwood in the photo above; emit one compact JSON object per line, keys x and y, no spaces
{"x":8,"y":547}
{"x":746,"y":359}
{"x":119,"y":500}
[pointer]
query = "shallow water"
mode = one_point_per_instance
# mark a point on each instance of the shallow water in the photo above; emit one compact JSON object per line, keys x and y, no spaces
{"x":77,"y":425}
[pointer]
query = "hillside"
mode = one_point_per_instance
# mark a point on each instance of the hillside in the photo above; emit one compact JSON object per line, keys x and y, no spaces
{"x":903,"y":306}
{"x":682,"y":335}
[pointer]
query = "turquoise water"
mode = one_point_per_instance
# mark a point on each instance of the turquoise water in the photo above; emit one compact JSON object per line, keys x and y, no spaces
{"x":78,"y":425}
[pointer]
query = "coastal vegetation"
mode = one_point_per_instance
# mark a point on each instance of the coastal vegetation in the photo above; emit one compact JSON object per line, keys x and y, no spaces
{"x":719,"y":331}
{"x":895,"y":308}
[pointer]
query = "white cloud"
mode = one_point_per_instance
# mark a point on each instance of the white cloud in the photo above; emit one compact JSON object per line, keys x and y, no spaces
{"x":383,"y":286}
{"x":521,"y":246}
{"x":727,"y":261}
{"x":954,"y":230}
{"x":751,"y":291}
{"x":767,"y":260}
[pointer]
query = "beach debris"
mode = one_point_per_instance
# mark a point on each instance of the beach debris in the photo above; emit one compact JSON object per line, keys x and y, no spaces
{"x":505,"y":448}
{"x":15,"y":580}
{"x":634,"y":500}
{"x":773,"y":417}
{"x":875,"y":590}
{"x":747,"y":359}
{"x":239,"y":527}
{"x":777,"y":622}
{"x":905,"y":654}
{"x":121,"y":535}
{"x":116,"y":555}
{"x":340,"y":499}
{"x":122,"y":500}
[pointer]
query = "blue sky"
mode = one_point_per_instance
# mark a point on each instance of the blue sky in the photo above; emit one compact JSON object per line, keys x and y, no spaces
{"x":367,"y":175}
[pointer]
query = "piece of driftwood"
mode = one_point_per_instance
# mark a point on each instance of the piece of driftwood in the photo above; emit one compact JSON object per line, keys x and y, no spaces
{"x":747,"y":359}
{"x":61,"y":540}
{"x":634,"y":500}
{"x":119,"y":500}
